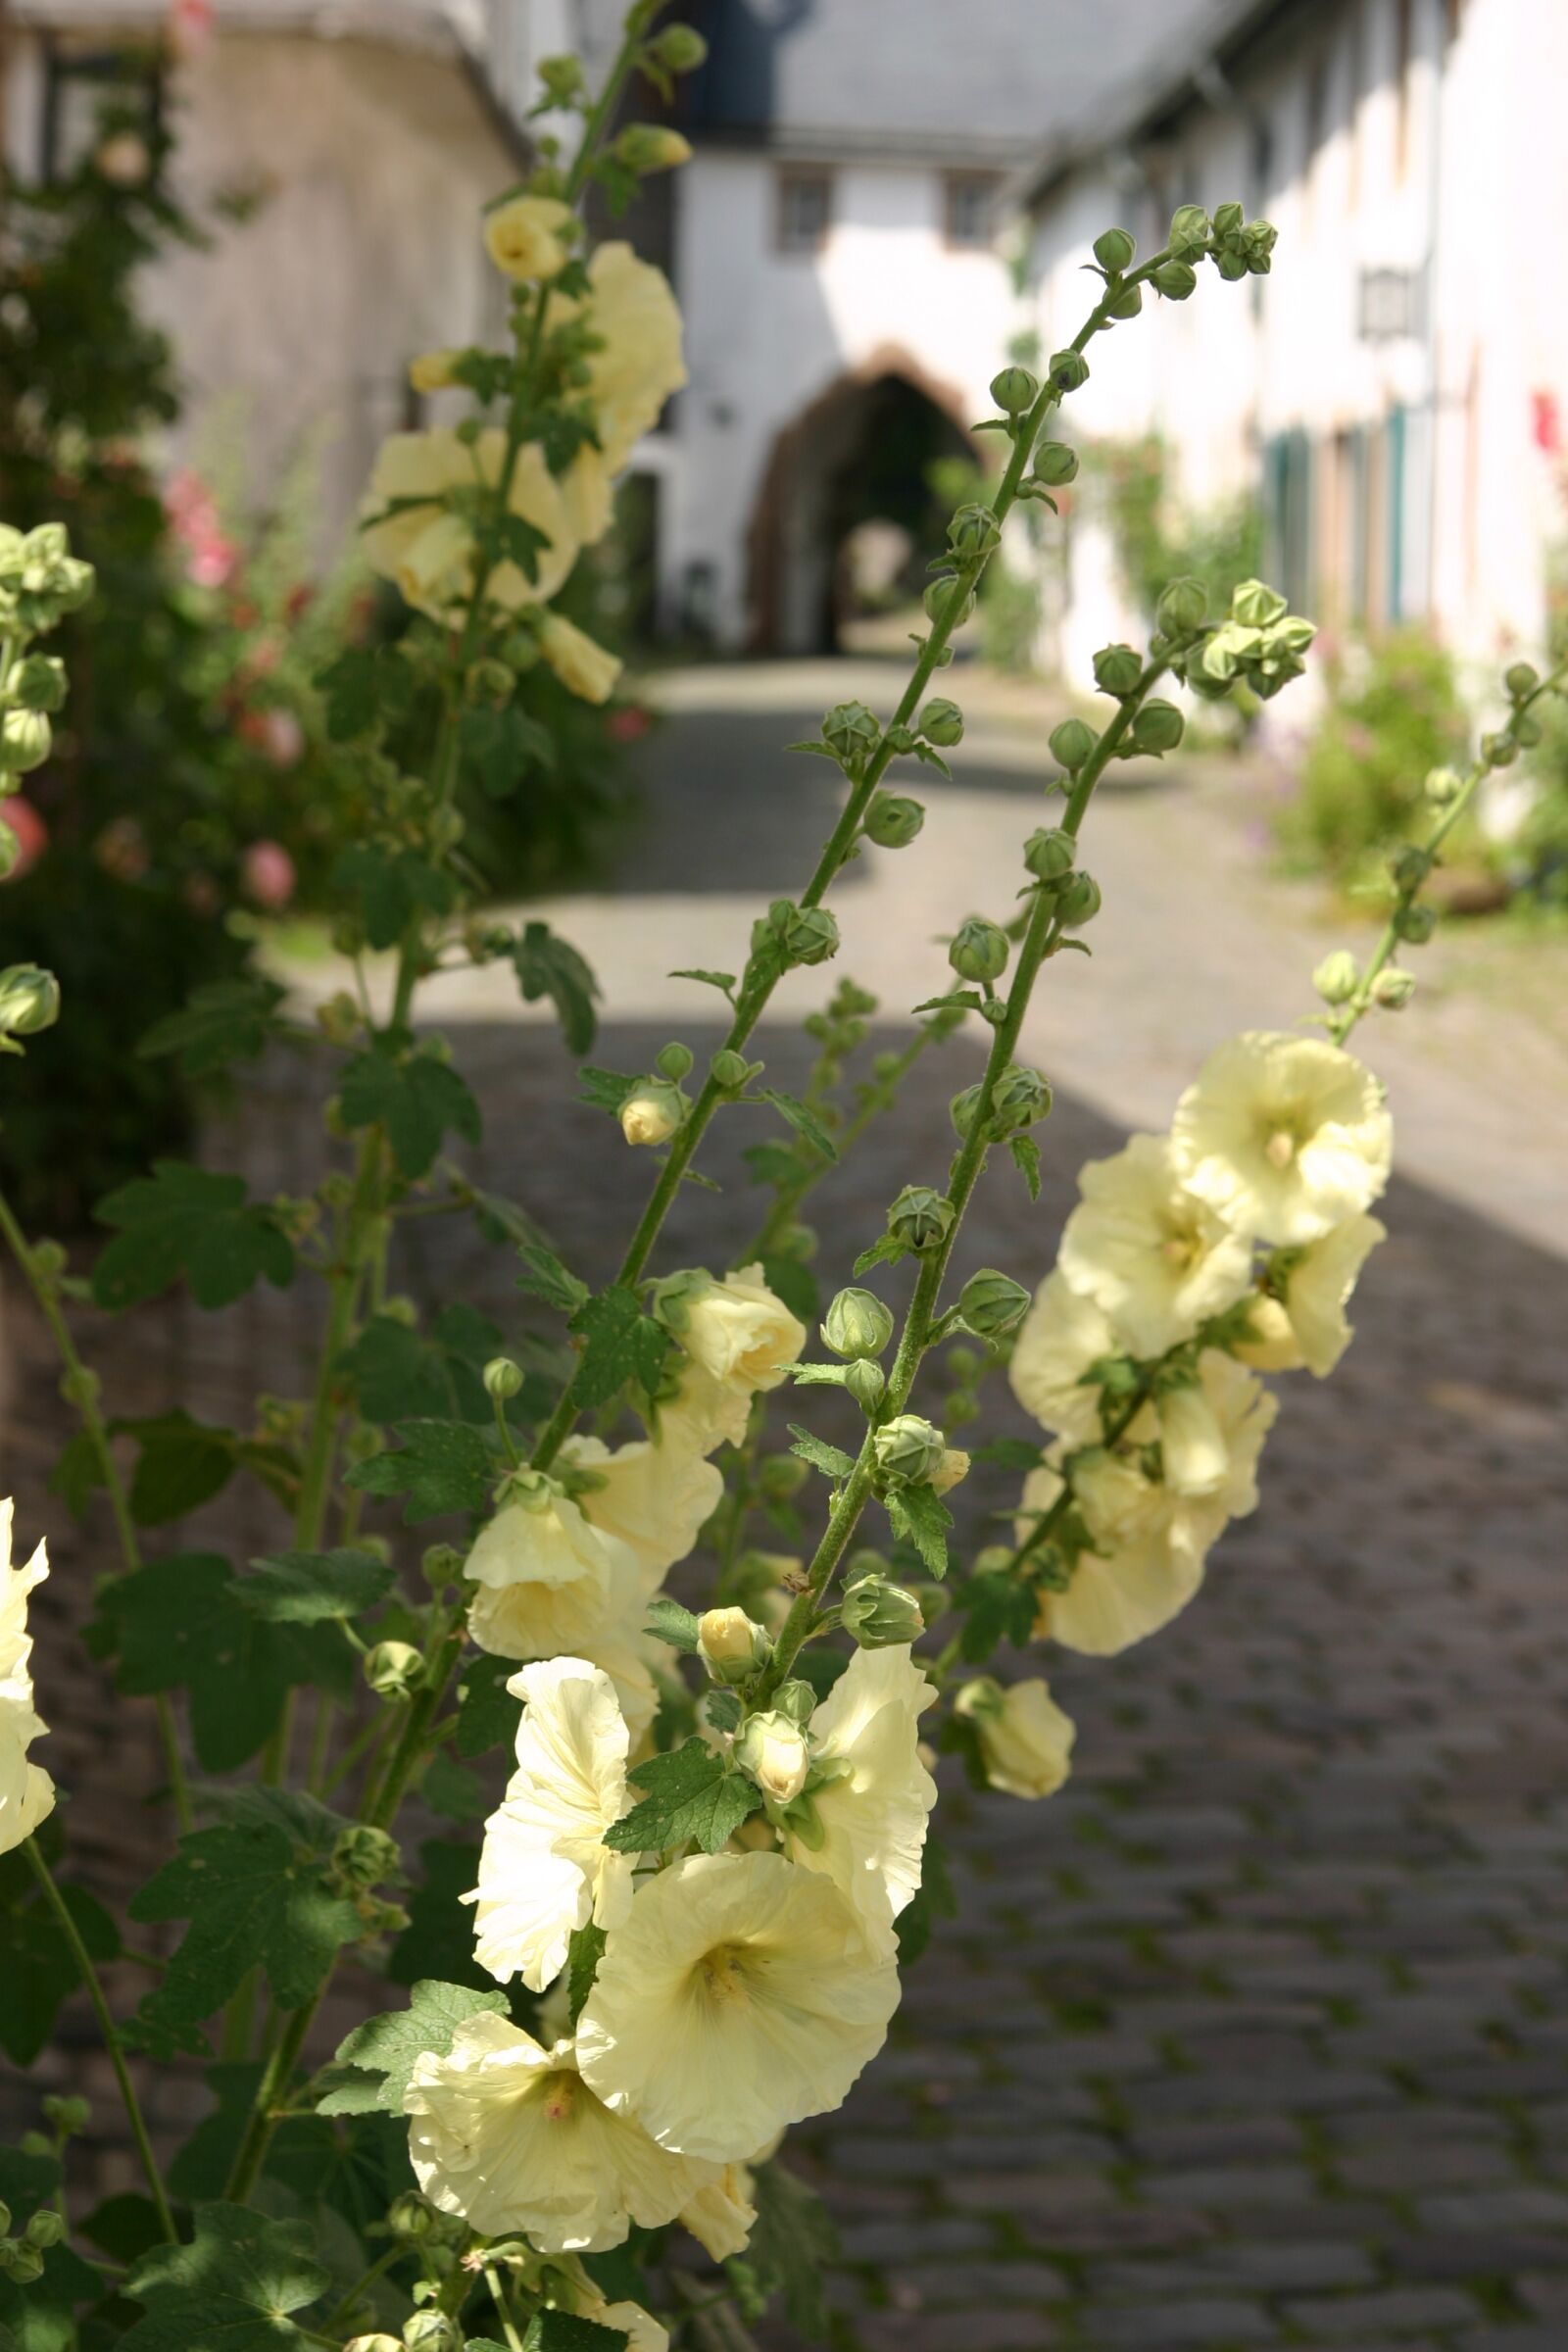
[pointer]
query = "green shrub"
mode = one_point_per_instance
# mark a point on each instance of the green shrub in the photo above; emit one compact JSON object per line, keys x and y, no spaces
{"x":1393,"y":711}
{"x":1157,"y":541}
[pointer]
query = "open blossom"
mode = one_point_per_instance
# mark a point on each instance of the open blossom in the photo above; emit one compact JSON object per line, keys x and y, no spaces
{"x":543,"y":1868}
{"x":635,"y":366}
{"x":871,"y":1816}
{"x":507,"y":2135}
{"x":653,"y":1498}
{"x":1284,"y":1136}
{"x":739,"y":1996}
{"x":738,"y":1339}
{"x":26,"y":1793}
{"x":722,"y":2216}
{"x":584,"y":667}
{"x":1026,"y":1741}
{"x":1308,"y":1325}
{"x":1150,"y":1253}
{"x":429,"y":550}
{"x":548,"y":1581}
{"x":1061,"y":1336}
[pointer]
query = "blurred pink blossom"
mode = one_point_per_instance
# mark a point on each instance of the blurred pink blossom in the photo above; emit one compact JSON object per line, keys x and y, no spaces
{"x":211,"y":557}
{"x":32,"y":834}
{"x":267,"y":872}
{"x":629,"y":724}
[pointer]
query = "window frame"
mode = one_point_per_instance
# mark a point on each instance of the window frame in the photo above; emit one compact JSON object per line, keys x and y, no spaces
{"x":987,"y":184}
{"x":789,"y":177}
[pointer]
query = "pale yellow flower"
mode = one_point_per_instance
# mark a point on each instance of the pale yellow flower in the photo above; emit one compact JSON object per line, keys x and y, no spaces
{"x":543,"y":1868}
{"x":1284,"y":1136}
{"x":583,"y":667}
{"x":26,"y":1793}
{"x":1025,"y":1740}
{"x":529,"y":236}
{"x":723,"y":2217}
{"x":639,"y":361}
{"x":430,"y":552}
{"x":1151,"y":1254}
{"x":739,"y":1996}
{"x":652,"y":1495}
{"x":507,"y":2135}
{"x":1309,"y":1326}
{"x":871,"y":1816}
{"x":432,"y":371}
{"x":1060,"y":1338}
{"x":549,"y":1583}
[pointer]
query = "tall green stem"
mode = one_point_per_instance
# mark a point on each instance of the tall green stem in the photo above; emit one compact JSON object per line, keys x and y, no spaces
{"x":110,"y":2036}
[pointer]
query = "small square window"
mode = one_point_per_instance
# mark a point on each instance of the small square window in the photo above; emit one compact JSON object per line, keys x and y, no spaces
{"x":969,"y":200}
{"x":804,"y":211}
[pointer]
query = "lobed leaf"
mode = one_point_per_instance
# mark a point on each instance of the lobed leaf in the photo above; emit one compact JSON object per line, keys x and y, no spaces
{"x":187,"y":1220}
{"x":693,"y":1795}
{"x":390,"y":2046}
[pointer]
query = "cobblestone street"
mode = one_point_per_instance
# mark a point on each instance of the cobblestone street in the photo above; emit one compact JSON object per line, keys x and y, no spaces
{"x":1256,"y":2035}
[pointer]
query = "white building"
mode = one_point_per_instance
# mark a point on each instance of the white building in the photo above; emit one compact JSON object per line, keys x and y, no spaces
{"x":1392,"y":390}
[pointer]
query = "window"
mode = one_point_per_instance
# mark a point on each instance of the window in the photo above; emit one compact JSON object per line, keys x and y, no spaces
{"x":967,"y":201}
{"x":88,"y":90}
{"x":805,"y":210}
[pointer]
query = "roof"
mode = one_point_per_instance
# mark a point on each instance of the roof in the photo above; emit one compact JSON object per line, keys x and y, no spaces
{"x":991,"y":80}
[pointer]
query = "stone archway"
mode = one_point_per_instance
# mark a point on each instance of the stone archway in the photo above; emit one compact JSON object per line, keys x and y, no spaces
{"x":855,"y":453}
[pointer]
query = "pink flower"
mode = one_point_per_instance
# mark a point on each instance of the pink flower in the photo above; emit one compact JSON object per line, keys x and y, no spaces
{"x":211,"y":558}
{"x":267,"y":872}
{"x":629,"y":724}
{"x":32,"y":834}
{"x":1546,"y":422}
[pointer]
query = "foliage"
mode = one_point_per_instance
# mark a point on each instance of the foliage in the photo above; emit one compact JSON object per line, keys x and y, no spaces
{"x":1157,"y":539}
{"x":1392,"y":712}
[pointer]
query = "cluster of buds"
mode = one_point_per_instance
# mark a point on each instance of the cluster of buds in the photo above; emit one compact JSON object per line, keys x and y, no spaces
{"x":40,"y":582}
{"x":21,"y":2257}
{"x":1259,"y":645}
{"x":1018,"y":1101}
{"x":788,"y":935}
{"x":857,"y":1328}
{"x":1237,"y":247}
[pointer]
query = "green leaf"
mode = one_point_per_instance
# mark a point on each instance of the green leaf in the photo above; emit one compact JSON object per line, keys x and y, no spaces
{"x":605,"y":1090}
{"x":440,"y":1466}
{"x":37,"y":1967}
{"x":997,"y":1608}
{"x":668,"y":1622}
{"x":415,"y":1097}
{"x":723,"y":1708}
{"x":389,"y":2047}
{"x":693,"y":1795}
{"x":1026,"y":1159}
{"x":230,"y":2290}
{"x":184,"y":1220}
{"x":933,"y":758}
{"x":795,"y":1285}
{"x":551,"y":2331}
{"x":453,"y":1791}
{"x":488,"y":1715}
{"x":401,"y":1374}
{"x":792,"y":2244}
{"x":802,"y":1119}
{"x":182,"y":1463}
{"x":585,"y":1948}
{"x":829,"y":1459}
{"x":42,"y":2317}
{"x":544,"y":1277}
{"x":884,"y":1253}
{"x":817,"y":1376}
{"x":933,"y":1899}
{"x":500,"y":747}
{"x":77,"y":1473}
{"x":621,"y":1343}
{"x":305,"y":1587}
{"x":547,"y":966}
{"x":250,"y":1896}
{"x":1010,"y":1453}
{"x":822,"y":750}
{"x":223,"y":1021}
{"x":181,"y":1624}
{"x":958,"y":999}
{"x":124,"y":2226}
{"x":366,"y":687}
{"x":922,"y":1518}
{"x":724,"y":982}
{"x":394,"y":889}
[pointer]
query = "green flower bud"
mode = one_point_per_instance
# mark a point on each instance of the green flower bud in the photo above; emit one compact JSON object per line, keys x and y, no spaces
{"x":1020,"y":1099}
{"x":394,"y":1669}
{"x":651,"y":1111}
{"x":780,"y":1476}
{"x":866,"y":1383}
{"x":1521,"y":679}
{"x":502,"y":1379}
{"x":365,"y":1857}
{"x":919,"y":1218}
{"x":1258,"y":240}
{"x":1157,"y":726}
{"x":68,"y":2116}
{"x":1049,"y":853}
{"x":992,"y":1303}
{"x":1228,"y":218}
{"x":21,"y":2264}
{"x":1115,"y":250}
{"x":678,"y":48}
{"x":1080,"y":901}
{"x":733,"y":1646}
{"x":1231,"y":265}
{"x":1118,"y":669}
{"x":46,"y":2229}
{"x":964,"y":1107}
{"x":1071,"y":742}
{"x":645,"y":147}
{"x":1190,"y":232}
{"x":1183,"y":608}
{"x":946,"y":598}
{"x":1070,"y":371}
{"x":1337,"y":977}
{"x":30,"y":1001}
{"x":858,"y":1324}
{"x":908,"y":1449}
{"x":1497,"y":751}
{"x":942,"y":723}
{"x":1410,"y":868}
{"x":40,"y":683}
{"x":892,"y":820}
{"x":729,"y":1070}
{"x":673,"y":1061}
{"x":851,"y":730}
{"x":879,"y":1615}
{"x":978,"y":950}
{"x":811,"y":936}
{"x":1441,"y":786}
{"x":10,"y":846}
{"x":1175,"y":280}
{"x":1056,"y":464}
{"x":796,"y":1700}
{"x":26,"y":740}
{"x":1415,"y":923}
{"x":771,"y":1750}
{"x":1393,"y":988}
{"x":441,"y":1565}
{"x":1125,"y":305}
{"x":1257,"y":606}
{"x":973,"y":532}
{"x":1014,"y":390}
